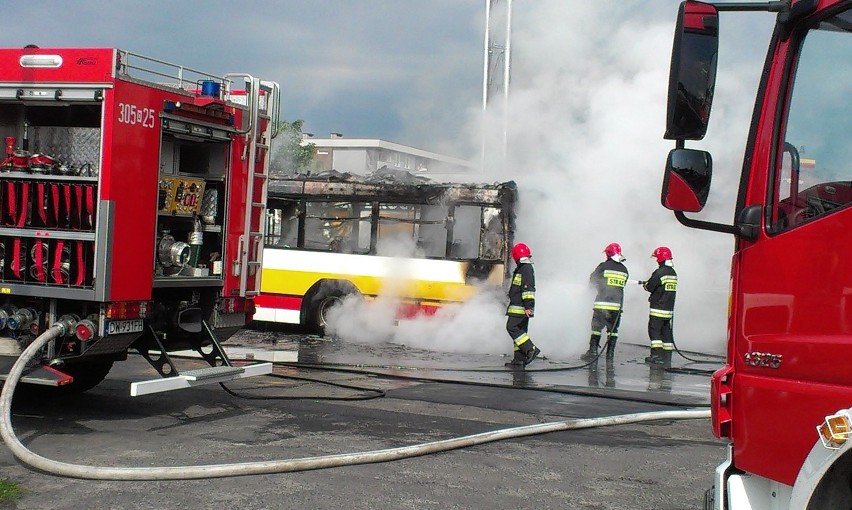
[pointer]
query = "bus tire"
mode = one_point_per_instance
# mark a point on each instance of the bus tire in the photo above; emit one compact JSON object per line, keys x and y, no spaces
{"x":326,"y":296}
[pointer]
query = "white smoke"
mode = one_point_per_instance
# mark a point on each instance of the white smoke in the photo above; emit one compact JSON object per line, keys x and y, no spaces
{"x":467,"y":327}
{"x":586,"y":116}
{"x":475,"y":326}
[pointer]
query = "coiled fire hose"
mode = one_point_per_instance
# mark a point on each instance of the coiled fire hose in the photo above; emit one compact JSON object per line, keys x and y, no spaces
{"x":280,"y":466}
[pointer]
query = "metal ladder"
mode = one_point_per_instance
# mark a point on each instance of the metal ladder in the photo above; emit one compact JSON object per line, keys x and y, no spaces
{"x":262,"y":99}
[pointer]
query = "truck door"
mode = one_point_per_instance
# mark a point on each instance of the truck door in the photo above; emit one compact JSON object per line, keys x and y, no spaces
{"x":794,"y":313}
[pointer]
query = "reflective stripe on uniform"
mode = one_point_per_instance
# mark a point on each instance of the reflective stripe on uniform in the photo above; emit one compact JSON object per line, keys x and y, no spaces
{"x":656,"y":344}
{"x":662,"y":314}
{"x":667,"y":346}
{"x":607,"y":305}
{"x":669,"y":283}
{"x":521,"y":339}
{"x":528,"y":294}
{"x":517,"y":279}
{"x":516,"y":310}
{"x":615,"y":278}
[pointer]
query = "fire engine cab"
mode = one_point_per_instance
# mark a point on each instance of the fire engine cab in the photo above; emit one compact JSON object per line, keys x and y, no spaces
{"x":783,"y":398}
{"x":132,"y":193}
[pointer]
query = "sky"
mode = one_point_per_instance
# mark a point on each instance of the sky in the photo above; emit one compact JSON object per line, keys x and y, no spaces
{"x":586,"y":117}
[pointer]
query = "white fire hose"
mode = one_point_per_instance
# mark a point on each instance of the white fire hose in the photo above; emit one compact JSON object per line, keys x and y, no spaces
{"x":281,"y":466}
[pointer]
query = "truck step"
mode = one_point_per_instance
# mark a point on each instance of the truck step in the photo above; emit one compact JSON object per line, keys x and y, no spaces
{"x":207,"y":375}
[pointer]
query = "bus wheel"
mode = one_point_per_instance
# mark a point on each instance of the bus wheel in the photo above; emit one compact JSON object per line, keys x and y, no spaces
{"x":326,"y":297}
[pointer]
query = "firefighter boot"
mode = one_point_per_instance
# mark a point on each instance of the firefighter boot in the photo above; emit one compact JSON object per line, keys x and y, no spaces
{"x":592,"y":353}
{"x":667,"y":358}
{"x":532,"y":355}
{"x":610,"y":347}
{"x":530,"y":351}
{"x":517,"y":361}
{"x":656,"y":357}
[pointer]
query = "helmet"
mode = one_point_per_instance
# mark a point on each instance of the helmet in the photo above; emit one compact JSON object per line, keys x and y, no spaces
{"x":520,"y":251}
{"x":662,"y":254}
{"x":612,"y":249}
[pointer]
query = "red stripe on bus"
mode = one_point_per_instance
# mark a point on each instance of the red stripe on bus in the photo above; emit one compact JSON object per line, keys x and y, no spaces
{"x":411,"y":310}
{"x":278,"y":301}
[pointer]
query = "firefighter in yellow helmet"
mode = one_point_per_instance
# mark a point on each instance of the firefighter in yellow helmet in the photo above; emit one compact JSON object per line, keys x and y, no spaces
{"x":521,"y":307}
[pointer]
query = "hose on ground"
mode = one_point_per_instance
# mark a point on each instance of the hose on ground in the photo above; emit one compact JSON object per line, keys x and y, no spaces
{"x":356,"y":369}
{"x":281,"y":466}
{"x":367,"y":393}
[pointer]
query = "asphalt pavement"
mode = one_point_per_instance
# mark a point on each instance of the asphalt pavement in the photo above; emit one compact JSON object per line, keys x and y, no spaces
{"x":400,"y":397}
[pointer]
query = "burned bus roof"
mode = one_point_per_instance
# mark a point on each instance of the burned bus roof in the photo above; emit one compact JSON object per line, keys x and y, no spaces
{"x":388,"y":185}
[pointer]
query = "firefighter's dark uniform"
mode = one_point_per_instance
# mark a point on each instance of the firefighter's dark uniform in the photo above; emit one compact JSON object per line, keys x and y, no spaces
{"x":521,"y":299}
{"x":608,"y":279}
{"x":663,"y":287}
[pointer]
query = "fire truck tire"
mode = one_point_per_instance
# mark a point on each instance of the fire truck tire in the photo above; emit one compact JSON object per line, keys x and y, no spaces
{"x":328,"y":294}
{"x":86,"y":375}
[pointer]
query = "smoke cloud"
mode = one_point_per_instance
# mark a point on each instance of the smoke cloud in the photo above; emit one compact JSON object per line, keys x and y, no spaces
{"x":586,"y":114}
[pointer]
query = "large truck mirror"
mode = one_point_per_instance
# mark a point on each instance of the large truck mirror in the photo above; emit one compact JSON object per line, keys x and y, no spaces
{"x":686,"y":184}
{"x":692,"y":76}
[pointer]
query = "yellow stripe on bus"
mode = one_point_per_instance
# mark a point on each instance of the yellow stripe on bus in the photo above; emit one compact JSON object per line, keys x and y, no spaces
{"x":281,"y":281}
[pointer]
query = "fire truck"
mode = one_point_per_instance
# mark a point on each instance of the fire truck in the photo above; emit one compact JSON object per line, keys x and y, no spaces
{"x":783,"y":397}
{"x":132,"y":198}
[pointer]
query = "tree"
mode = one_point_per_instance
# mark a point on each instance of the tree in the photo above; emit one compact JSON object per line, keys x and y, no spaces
{"x":289,"y":155}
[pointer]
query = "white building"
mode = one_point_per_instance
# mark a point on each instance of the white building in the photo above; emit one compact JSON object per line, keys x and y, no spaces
{"x":361,"y":156}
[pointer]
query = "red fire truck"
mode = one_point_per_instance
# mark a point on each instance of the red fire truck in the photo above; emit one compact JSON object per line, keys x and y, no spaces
{"x":783,"y":398}
{"x":132,"y":194}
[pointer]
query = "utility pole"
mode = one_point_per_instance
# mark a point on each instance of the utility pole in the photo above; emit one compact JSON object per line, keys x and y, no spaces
{"x":497,"y":65}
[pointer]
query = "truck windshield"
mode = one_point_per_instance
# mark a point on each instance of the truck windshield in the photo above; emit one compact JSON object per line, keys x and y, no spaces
{"x":814,"y":174}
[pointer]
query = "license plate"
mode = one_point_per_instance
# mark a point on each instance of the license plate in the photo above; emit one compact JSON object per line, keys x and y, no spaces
{"x":119,"y":327}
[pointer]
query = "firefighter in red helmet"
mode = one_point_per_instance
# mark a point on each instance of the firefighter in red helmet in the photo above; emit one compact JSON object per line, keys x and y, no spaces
{"x":663,"y":288}
{"x":608,"y":280}
{"x":521,"y":307}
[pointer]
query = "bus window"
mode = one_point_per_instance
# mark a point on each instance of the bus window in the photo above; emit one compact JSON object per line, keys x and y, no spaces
{"x":431,"y":230}
{"x":492,"y":247}
{"x":466,"y":230}
{"x":329,"y":226}
{"x":362,"y":221}
{"x":282,"y":224}
{"x":396,"y":230}
{"x":365,"y":224}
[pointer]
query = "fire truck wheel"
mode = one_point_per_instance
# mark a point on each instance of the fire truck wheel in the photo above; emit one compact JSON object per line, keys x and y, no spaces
{"x":326,"y":297}
{"x":86,"y":375}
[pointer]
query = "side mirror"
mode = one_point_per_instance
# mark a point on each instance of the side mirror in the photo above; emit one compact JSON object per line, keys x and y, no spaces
{"x":692,"y":77}
{"x":686,"y":184}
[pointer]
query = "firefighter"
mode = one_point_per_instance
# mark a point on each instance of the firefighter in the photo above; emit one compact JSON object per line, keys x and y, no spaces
{"x":521,"y":307}
{"x":663,"y":287}
{"x":608,"y":280}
